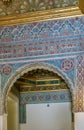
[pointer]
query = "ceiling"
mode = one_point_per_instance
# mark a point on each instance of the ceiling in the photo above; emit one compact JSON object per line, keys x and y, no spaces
{"x":31,"y":11}
{"x":24,"y":6}
{"x":40,"y":80}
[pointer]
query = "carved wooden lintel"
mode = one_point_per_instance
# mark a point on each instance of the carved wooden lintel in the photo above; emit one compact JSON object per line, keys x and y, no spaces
{"x":40,"y":16}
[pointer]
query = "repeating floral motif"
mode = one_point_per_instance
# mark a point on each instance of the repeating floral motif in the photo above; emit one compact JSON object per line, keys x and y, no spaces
{"x":7,"y":69}
{"x":58,"y":96}
{"x":23,"y":6}
{"x":57,"y":63}
{"x":80,"y":82}
{"x":80,"y":72}
{"x":44,"y":38}
{"x":78,"y":92}
{"x":67,"y":64}
{"x":48,"y":97}
{"x":24,"y":44}
{"x":9,"y":81}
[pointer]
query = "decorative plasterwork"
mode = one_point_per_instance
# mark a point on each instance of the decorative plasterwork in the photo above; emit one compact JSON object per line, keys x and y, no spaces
{"x":39,"y":80}
{"x":43,"y":97}
{"x":11,"y":7}
{"x":24,"y":70}
{"x":40,"y":16}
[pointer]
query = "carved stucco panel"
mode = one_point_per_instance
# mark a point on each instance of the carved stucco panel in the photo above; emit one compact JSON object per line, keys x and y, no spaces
{"x":27,"y":68}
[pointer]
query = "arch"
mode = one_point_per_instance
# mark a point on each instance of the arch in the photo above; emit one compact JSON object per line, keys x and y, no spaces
{"x":21,"y":71}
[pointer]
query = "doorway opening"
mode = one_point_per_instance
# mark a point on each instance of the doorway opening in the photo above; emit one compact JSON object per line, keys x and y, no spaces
{"x":13,"y":112}
{"x":46,"y":94}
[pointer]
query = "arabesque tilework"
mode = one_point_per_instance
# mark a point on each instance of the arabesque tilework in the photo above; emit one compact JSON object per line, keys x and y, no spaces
{"x":64,"y":65}
{"x":56,"y":43}
{"x":78,"y":93}
{"x":40,"y":39}
{"x":80,"y":82}
{"x":42,"y":97}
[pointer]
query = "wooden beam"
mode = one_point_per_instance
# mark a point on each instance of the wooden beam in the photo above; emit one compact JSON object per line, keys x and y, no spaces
{"x":81,"y":5}
{"x":40,"y":16}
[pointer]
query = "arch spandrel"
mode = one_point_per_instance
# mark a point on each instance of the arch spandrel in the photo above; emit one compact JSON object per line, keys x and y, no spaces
{"x":21,"y":71}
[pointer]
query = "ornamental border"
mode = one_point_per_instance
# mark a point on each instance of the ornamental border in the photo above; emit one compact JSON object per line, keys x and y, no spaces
{"x":39,"y":16}
{"x":24,"y":70}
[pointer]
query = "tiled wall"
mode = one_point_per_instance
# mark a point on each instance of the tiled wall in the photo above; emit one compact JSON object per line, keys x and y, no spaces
{"x":42,"y":97}
{"x":58,"y":44}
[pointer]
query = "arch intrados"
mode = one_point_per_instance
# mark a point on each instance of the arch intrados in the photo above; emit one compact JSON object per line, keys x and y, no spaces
{"x":21,"y":71}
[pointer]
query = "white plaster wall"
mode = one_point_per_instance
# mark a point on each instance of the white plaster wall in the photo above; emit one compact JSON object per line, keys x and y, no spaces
{"x":79,"y":121}
{"x":51,"y":116}
{"x":1,"y":122}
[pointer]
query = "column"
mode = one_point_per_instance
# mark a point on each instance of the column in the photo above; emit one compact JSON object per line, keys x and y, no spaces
{"x":1,"y":122}
{"x":79,"y":121}
{"x":5,"y":122}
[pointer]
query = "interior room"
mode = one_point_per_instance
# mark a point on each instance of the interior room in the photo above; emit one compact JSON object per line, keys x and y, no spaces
{"x":41,"y":64}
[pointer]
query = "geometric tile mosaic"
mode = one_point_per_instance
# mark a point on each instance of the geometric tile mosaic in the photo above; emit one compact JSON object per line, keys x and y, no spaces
{"x":22,"y":114}
{"x":54,"y":42}
{"x":78,"y":93}
{"x":80,"y":82}
{"x":44,"y":38}
{"x":57,"y":96}
{"x":43,"y":97}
